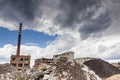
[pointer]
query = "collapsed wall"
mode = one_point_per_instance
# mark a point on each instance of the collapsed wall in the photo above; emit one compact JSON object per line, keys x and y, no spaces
{"x":69,"y":55}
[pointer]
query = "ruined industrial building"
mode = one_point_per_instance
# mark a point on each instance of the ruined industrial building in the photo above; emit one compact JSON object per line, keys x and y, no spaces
{"x":62,"y":66}
{"x":63,"y":69}
{"x":69,"y":55}
{"x":20,"y":62}
{"x":39,"y":62}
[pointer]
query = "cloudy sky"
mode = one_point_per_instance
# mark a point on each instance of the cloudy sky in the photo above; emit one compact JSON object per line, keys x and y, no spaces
{"x":90,"y":28}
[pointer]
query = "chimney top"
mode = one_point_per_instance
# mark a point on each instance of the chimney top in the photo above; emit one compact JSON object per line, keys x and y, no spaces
{"x":20,"y":24}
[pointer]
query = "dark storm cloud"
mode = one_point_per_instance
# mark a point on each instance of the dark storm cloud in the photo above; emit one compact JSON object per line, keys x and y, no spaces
{"x":73,"y":11}
{"x":19,"y":10}
{"x":68,"y":13}
{"x":94,"y":26}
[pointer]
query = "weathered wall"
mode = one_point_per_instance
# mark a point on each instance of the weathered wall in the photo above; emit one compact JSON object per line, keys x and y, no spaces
{"x":68,"y":55}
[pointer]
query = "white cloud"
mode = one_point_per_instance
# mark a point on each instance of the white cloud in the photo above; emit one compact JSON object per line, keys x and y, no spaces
{"x":113,"y":60}
{"x":9,"y":25}
{"x":31,"y":44}
{"x":106,"y":47}
{"x":101,"y":48}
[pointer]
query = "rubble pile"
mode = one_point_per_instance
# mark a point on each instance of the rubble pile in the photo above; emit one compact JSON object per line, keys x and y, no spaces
{"x":102,"y":68}
{"x":6,"y":68}
{"x":69,"y":69}
{"x":63,"y":69}
{"x":8,"y":72}
{"x":16,"y":76}
{"x":91,"y":75}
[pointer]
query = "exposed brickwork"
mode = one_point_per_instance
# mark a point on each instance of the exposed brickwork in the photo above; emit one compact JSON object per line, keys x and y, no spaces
{"x":69,"y":55}
{"x":20,"y":62}
{"x":38,"y":62}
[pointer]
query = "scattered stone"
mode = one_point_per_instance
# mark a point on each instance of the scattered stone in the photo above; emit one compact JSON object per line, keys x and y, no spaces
{"x":63,"y":69}
{"x":6,"y":68}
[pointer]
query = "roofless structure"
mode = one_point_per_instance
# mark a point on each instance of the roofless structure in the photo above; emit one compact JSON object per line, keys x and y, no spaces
{"x":20,"y":62}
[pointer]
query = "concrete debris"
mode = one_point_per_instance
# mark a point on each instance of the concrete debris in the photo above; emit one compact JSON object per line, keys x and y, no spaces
{"x":72,"y":69}
{"x":91,"y":75}
{"x":63,"y":69}
{"x":6,"y":68}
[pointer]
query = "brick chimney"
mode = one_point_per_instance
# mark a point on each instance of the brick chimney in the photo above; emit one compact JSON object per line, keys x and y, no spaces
{"x":19,"y":40}
{"x":20,"y":62}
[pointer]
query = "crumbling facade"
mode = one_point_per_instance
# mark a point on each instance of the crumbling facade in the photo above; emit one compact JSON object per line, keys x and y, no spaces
{"x":38,"y":62}
{"x":68,"y":55}
{"x":20,"y":62}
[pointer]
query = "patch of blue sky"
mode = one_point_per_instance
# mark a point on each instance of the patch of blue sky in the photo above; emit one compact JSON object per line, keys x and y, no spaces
{"x":29,"y":37}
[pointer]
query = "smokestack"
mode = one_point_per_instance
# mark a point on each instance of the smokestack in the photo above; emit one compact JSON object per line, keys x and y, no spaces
{"x":19,"y":40}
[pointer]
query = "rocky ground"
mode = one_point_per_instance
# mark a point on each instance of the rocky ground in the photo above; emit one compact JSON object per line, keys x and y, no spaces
{"x":69,"y":70}
{"x":62,"y":70}
{"x":6,"y":68}
{"x":114,"y":77}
